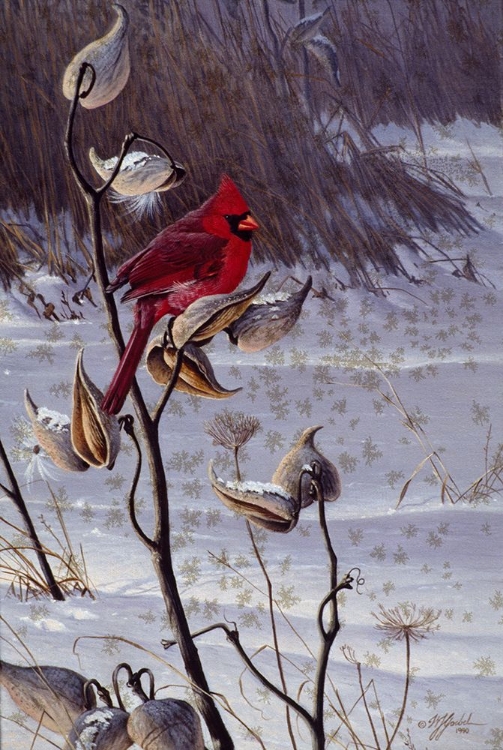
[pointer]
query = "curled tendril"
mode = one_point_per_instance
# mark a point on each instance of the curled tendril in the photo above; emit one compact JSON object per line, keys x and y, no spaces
{"x":314,"y":471}
{"x":360,"y":580}
{"x":126,"y":423}
{"x":83,"y":68}
{"x":231,"y":622}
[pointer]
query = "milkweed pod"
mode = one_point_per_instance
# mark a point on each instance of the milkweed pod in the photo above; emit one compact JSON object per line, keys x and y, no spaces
{"x":209,"y":315}
{"x":52,"y":431}
{"x":100,"y":729}
{"x":266,"y":320}
{"x":306,"y":28}
{"x":139,"y":172}
{"x":304,"y":454}
{"x":168,"y":724}
{"x":109,"y":57}
{"x":326,"y":53}
{"x":95,"y":435}
{"x":264,"y":504}
{"x":196,"y":376}
{"x":53,"y":696}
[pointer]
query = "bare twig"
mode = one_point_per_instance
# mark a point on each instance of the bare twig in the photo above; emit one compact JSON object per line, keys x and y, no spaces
{"x":15,"y":495}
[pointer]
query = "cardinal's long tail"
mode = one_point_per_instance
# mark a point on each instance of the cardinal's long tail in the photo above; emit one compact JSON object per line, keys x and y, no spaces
{"x":118,"y":389}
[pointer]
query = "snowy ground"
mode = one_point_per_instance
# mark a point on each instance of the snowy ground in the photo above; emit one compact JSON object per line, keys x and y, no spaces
{"x":442,"y":343}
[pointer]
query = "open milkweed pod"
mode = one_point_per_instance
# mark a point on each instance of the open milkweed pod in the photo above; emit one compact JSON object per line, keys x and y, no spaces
{"x":196,"y":376}
{"x":266,"y":505}
{"x":52,"y":431}
{"x":139,"y":173}
{"x":209,"y":315}
{"x":304,"y":454}
{"x":109,"y":57}
{"x":267,"y":320}
{"x":95,"y":435}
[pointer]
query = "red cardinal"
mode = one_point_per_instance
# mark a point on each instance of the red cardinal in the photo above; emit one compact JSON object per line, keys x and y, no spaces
{"x":205,"y":252}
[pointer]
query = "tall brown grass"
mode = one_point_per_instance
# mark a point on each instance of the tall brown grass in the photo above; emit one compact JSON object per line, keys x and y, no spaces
{"x":226,"y":93}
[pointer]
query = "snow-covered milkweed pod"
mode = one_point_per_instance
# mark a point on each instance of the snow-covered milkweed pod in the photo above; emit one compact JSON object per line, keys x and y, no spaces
{"x":304,"y":454}
{"x":53,"y":696}
{"x":100,"y":729}
{"x":95,"y":435}
{"x":53,"y":433}
{"x":109,"y":57}
{"x":267,"y":320}
{"x":139,"y":172}
{"x":326,"y":53}
{"x":196,"y":376}
{"x":306,"y":28}
{"x":209,"y":315}
{"x":265,"y":504}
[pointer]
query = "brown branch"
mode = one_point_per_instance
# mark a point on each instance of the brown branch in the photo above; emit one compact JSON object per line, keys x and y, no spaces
{"x":160,"y":545}
{"x":17,"y":498}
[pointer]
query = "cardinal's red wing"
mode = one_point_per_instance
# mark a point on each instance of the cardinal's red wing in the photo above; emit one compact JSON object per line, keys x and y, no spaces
{"x":186,"y":257}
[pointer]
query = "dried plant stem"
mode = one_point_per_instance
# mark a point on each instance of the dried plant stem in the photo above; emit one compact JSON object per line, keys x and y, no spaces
{"x":434,"y":459}
{"x":233,"y":637}
{"x":274,"y":631}
{"x":329,"y":633}
{"x":15,"y":495}
{"x":366,"y":705}
{"x":129,"y":430}
{"x":406,"y":689}
{"x":160,"y":543}
{"x":159,"y":409}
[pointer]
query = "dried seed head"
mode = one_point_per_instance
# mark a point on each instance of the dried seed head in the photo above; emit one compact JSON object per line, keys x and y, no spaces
{"x":232,"y":429}
{"x":407,"y":622}
{"x":109,"y":57}
{"x":266,"y":322}
{"x":305,"y":454}
{"x":196,"y":376}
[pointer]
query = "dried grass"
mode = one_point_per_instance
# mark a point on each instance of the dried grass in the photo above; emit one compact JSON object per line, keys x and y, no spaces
{"x":230,"y":96}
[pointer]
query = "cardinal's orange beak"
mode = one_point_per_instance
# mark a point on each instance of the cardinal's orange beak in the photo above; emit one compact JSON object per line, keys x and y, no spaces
{"x":248,"y":225}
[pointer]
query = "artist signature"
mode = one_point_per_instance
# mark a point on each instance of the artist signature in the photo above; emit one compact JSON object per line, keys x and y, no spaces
{"x":439,"y":723}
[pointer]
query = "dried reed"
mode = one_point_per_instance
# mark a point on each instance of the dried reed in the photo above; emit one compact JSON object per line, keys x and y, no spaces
{"x":229,"y":94}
